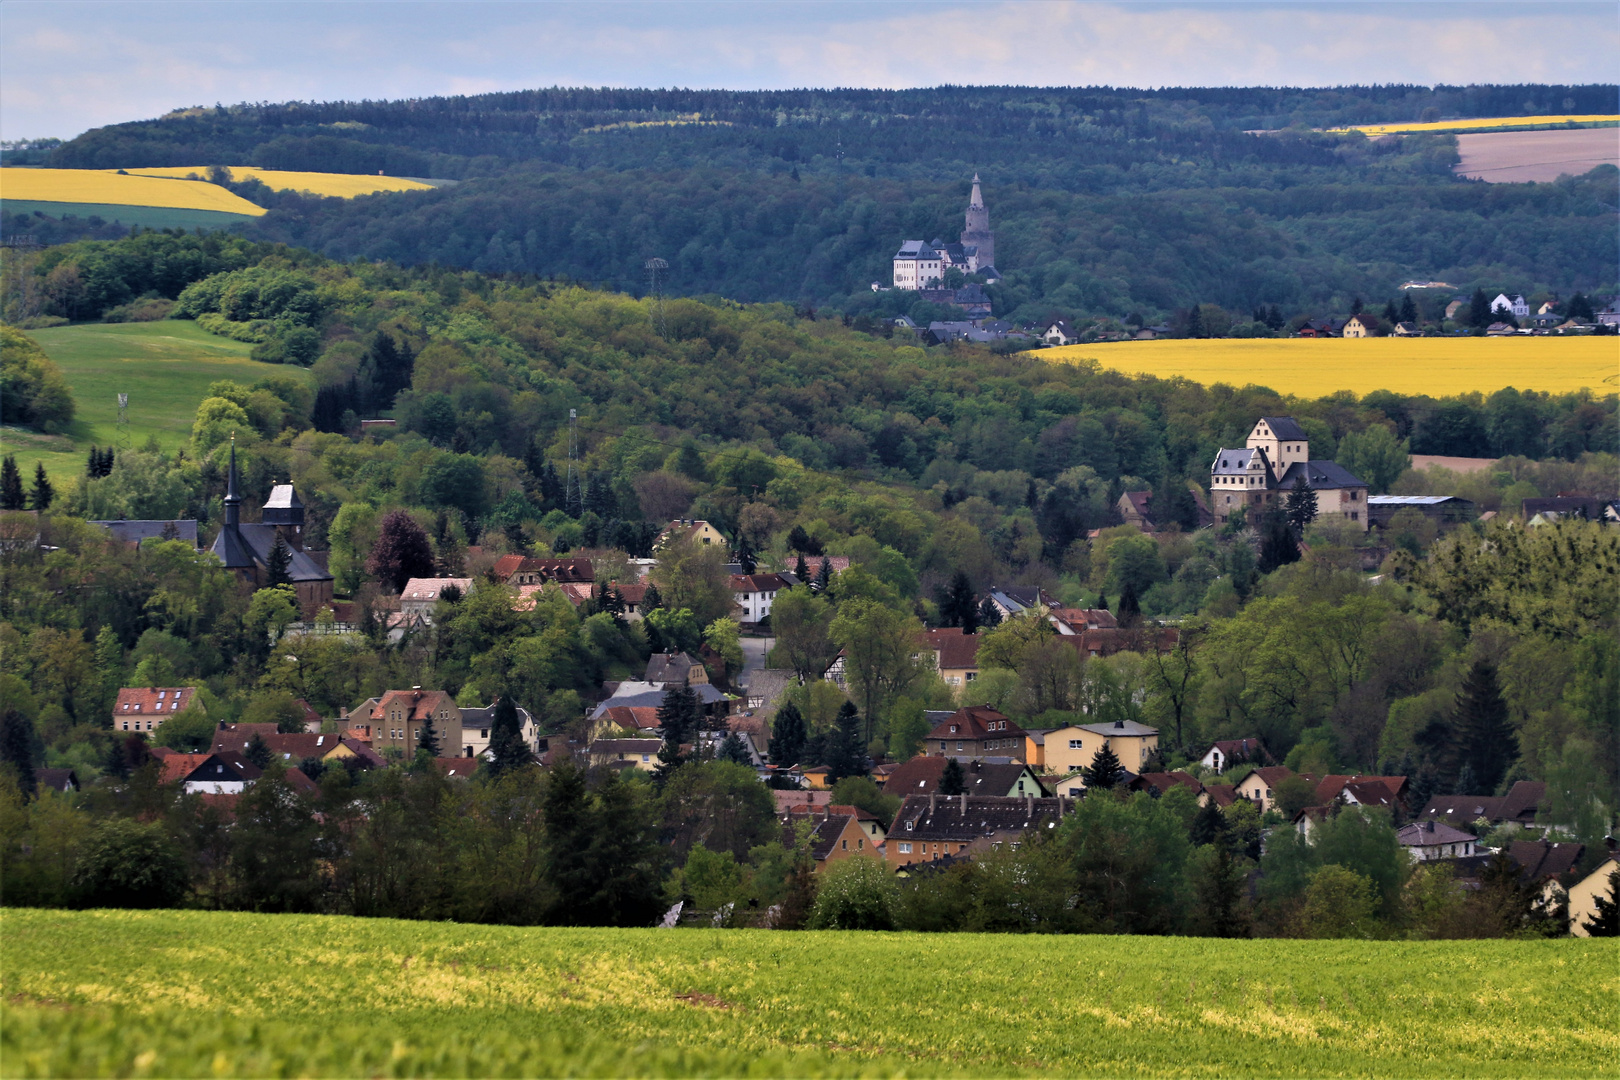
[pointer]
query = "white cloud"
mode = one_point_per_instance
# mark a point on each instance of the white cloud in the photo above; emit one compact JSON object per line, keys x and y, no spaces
{"x":67,"y":66}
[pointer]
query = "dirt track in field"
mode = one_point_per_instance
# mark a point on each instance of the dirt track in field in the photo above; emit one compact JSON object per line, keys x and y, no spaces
{"x":1515,"y":157}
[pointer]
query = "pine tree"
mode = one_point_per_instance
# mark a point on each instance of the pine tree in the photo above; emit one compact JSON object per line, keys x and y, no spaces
{"x":823,"y":577}
{"x":11,"y":486}
{"x":1105,"y":771}
{"x":1605,"y":920}
{"x":1408,"y":309}
{"x":953,"y":781}
{"x":1479,"y":310}
{"x":1208,"y":825}
{"x":507,"y":750}
{"x":1580,"y":308}
{"x":652,"y":599}
{"x":117,"y":760}
{"x":845,"y":756}
{"x":43,"y":493}
{"x":956,"y":604}
{"x":732,"y":750}
{"x":745,"y":554}
{"x":1300,"y":505}
{"x":679,"y":713}
{"x":1355,"y":307}
{"x":788,"y":736}
{"x":1130,"y":608}
{"x":277,"y":563}
{"x":427,"y":737}
{"x":1392,"y":314}
{"x":989,"y":614}
{"x":1278,"y":545}
{"x":1195,"y":322}
{"x":17,"y":748}
{"x":801,"y":571}
{"x":1220,"y":912}
{"x":258,"y":751}
{"x":1489,"y":744}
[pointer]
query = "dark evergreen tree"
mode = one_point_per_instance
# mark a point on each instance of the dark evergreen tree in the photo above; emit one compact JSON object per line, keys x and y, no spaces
{"x":1195,"y":322}
{"x":953,"y":781}
{"x":1605,"y":920}
{"x":732,"y":749}
{"x":258,"y":751}
{"x":1580,"y":307}
{"x":1130,"y":607}
{"x":989,"y":614}
{"x":17,"y":748}
{"x":1484,"y":730}
{"x":823,"y":577}
{"x":788,"y":736}
{"x":1105,"y":772}
{"x":1274,"y":318}
{"x":117,"y":760}
{"x":1479,"y":310}
{"x":1355,"y":307}
{"x":507,"y":749}
{"x":1221,"y":911}
{"x":844,"y":754}
{"x":1300,"y":505}
{"x":11,"y":485}
{"x":1208,"y":826}
{"x":427,"y":737}
{"x":43,"y":493}
{"x":598,"y":853}
{"x":277,"y":563}
{"x":680,"y":714}
{"x":745,"y":553}
{"x":1392,"y":314}
{"x":652,"y":599}
{"x":801,"y":571}
{"x":800,"y":541}
{"x":551,"y":487}
{"x":1408,"y":311}
{"x":956,"y":604}
{"x":1278,"y":545}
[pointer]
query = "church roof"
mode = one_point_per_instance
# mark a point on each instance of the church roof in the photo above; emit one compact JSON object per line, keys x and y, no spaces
{"x":243,"y":546}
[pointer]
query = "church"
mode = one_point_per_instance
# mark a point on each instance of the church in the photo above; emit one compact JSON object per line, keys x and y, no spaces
{"x":246,"y":547}
{"x":920,"y":265}
{"x":1262,"y":473}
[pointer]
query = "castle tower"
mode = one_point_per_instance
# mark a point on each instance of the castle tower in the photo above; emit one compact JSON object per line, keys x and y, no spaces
{"x":977,"y":233}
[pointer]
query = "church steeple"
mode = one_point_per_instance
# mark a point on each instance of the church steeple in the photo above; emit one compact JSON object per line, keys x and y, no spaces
{"x":233,"y":498}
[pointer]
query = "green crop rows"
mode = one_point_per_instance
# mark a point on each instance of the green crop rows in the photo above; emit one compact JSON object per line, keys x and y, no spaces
{"x":192,"y":993}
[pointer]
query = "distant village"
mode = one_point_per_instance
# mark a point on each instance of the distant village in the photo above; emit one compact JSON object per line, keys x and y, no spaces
{"x":955,"y":274}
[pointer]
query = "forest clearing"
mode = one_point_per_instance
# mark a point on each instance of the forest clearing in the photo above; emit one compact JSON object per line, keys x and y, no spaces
{"x":174,"y":993}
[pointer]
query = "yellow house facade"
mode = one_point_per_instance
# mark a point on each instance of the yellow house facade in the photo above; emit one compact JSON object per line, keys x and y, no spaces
{"x":1068,"y":750}
{"x":1584,"y":893}
{"x":1259,"y":786}
{"x":700,"y":531}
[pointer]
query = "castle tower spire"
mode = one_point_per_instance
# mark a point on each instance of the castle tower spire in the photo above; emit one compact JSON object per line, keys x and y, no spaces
{"x":977,"y":201}
{"x":978,"y":234}
{"x":233,"y":497}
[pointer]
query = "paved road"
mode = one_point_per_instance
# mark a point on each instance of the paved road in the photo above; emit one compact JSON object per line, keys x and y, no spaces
{"x":755,"y":650}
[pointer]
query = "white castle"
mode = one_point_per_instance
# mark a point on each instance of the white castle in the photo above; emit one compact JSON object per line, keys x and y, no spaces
{"x":922,"y":265}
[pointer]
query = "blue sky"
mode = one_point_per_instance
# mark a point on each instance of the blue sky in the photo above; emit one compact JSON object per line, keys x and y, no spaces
{"x":69,"y":66}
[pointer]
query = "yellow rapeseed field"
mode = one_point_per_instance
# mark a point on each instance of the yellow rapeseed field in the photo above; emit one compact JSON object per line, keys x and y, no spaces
{"x":94,"y":186}
{"x":343,"y":185}
{"x":1478,"y":122}
{"x":1309,"y":368}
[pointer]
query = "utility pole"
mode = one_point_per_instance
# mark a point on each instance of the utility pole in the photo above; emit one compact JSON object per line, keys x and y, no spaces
{"x":655,"y":269}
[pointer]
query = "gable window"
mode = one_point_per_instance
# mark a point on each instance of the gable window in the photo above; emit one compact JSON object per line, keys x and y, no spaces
{"x":1076,"y":744}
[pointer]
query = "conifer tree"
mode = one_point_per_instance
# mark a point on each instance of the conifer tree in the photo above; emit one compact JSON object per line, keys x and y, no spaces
{"x":507,"y":749}
{"x":1278,"y":546}
{"x":1408,"y":309}
{"x":1105,"y":771}
{"x":823,"y":577}
{"x":1195,"y":322}
{"x":788,"y":736}
{"x":1130,"y":608}
{"x":801,"y":571}
{"x":427,"y":737}
{"x":43,"y":493}
{"x":17,"y":748}
{"x":956,"y":604}
{"x":258,"y":751}
{"x":989,"y":614}
{"x":1489,"y":744}
{"x":1208,"y":825}
{"x":652,"y":599}
{"x":1605,"y":920}
{"x":1479,"y":310}
{"x":1300,"y":505}
{"x":732,"y":750}
{"x":679,"y":713}
{"x":845,"y":756}
{"x":11,"y":485}
{"x":276,"y":564}
{"x":953,"y":781}
{"x":745,"y":554}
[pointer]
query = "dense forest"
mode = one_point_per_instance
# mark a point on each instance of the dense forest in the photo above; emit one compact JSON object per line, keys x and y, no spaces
{"x":1105,"y":201}
{"x":1477,"y":659}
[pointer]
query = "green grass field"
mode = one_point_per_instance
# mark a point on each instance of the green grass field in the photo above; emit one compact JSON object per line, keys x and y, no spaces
{"x":165,"y":367}
{"x":148,"y":217}
{"x":173,"y":993}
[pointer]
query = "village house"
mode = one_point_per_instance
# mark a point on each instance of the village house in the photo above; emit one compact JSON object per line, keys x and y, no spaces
{"x":626,"y":753}
{"x":752,"y":595}
{"x":1584,"y":893}
{"x":1519,"y":806}
{"x":699,"y":530}
{"x":976,"y":731}
{"x":1360,"y":326}
{"x":421,"y":595}
{"x":1074,"y":622}
{"x":1160,"y":782}
{"x":134,"y":533}
{"x":478,"y":720}
{"x":835,"y":833}
{"x":519,"y":570}
{"x":1225,"y":753}
{"x":1514,"y":305}
{"x":918,"y":266}
{"x":223,"y":773}
{"x":1259,"y":785}
{"x":922,"y":774}
{"x":675,"y":669}
{"x":1266,"y":470}
{"x":1446,"y":511}
{"x":1013,"y":600}
{"x":954,"y":654}
{"x":398,"y":717}
{"x":1071,"y":749}
{"x":1426,"y":841}
{"x":928,"y":828}
{"x":145,"y":708}
{"x":1059,"y":332}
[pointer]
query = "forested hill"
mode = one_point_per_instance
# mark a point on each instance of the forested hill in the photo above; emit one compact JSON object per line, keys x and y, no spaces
{"x":1105,"y":201}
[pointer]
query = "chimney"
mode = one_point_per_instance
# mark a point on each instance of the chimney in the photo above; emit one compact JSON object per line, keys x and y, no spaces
{"x":964,"y":804}
{"x":1120,"y":724}
{"x":1029,"y":806}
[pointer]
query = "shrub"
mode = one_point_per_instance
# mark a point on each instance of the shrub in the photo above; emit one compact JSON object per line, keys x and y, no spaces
{"x":32,"y":389}
{"x":126,"y":864}
{"x":857,"y":893}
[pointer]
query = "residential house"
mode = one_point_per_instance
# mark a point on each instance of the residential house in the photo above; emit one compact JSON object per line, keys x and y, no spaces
{"x":1501,"y":329}
{"x":1604,"y":882}
{"x":634,"y":695}
{"x":247,"y":548}
{"x":1158,"y":783}
{"x":1259,"y":785}
{"x":818,"y":778}
{"x":699,"y":530}
{"x":1360,"y":326}
{"x":633,"y":718}
{"x":753,"y":595}
{"x":421,"y":595}
{"x":1545,"y":863}
{"x":626,"y":753}
{"x":762,"y":688}
{"x":1408,"y":329}
{"x":1610,"y":314}
{"x":931,"y":827}
{"x":921,"y":776}
{"x":1519,"y":806}
{"x":1516,"y":305}
{"x":399,"y":716}
{"x":1357,"y":790}
{"x":873,"y":826}
{"x":1266,"y":470}
{"x":477,"y":722}
{"x":1455,"y":306}
{"x":1446,"y":511}
{"x":955,"y":654}
{"x":520,"y":570}
{"x":145,"y":708}
{"x":675,"y":669}
{"x":60,"y":780}
{"x":976,"y":731}
{"x":1035,"y":748}
{"x":1225,"y":753}
{"x":1426,"y":841}
{"x":800,"y":798}
{"x":1071,"y":749}
{"x":1074,"y":622}
{"x":457,"y":768}
{"x":223,"y":773}
{"x":834,"y":834}
{"x":1059,"y":332}
{"x":1012,"y":600}
{"x":134,"y":532}
{"x":1222,"y":795}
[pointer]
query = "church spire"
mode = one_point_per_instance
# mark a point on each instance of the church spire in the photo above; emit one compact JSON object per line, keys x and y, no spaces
{"x":977,"y":201}
{"x":233,"y":498}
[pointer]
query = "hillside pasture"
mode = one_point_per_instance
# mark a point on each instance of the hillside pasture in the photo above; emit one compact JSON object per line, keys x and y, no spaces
{"x":147,"y":217}
{"x":109,"y":188}
{"x":165,"y":368}
{"x":1311,"y":368}
{"x":341,"y":185}
{"x":1516,"y":157}
{"x":188,"y":993}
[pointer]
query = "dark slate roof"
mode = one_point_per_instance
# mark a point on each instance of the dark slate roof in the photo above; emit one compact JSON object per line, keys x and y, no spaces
{"x":965,"y":818}
{"x":1430,"y":833}
{"x":133,"y":532}
{"x":1120,"y":729}
{"x":921,"y":776}
{"x":57,"y":779}
{"x":1285,"y":428}
{"x":250,"y":545}
{"x":1320,"y":474}
{"x":1233,"y":462}
{"x":916,"y":249}
{"x":669,"y":667}
{"x":232,"y":549}
{"x":1540,"y":860}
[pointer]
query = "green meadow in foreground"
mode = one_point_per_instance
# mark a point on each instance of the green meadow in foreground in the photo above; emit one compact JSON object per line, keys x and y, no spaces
{"x":165,"y":368}
{"x":185,"y":993}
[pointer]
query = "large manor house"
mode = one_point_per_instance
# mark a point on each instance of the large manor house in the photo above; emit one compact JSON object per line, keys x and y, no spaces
{"x":1277,"y":456}
{"x":921,"y":266}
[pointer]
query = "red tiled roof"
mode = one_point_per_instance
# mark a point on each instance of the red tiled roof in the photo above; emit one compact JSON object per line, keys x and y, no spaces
{"x":459,"y":768}
{"x":1164,"y":781}
{"x":1222,"y":794}
{"x":634,"y":717}
{"x":176,"y":767}
{"x":152,"y":700}
{"x":1329,"y":787}
{"x":787,"y":800}
{"x":423,"y":703}
{"x":758,"y":583}
{"x":578,"y":569}
{"x":972,"y":722}
{"x":1272,"y":775}
{"x":956,"y":649}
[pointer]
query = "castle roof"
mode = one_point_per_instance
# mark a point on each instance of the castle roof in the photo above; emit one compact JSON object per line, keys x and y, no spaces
{"x":1285,"y":428}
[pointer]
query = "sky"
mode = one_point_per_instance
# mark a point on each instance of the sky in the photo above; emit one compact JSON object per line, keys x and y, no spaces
{"x":69,"y":66}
